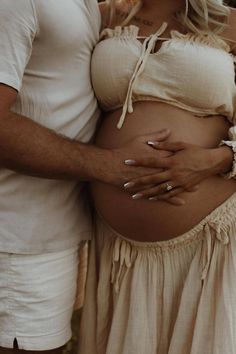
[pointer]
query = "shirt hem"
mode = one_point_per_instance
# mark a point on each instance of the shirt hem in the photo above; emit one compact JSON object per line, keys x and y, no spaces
{"x":10,"y":81}
{"x":37,"y":343}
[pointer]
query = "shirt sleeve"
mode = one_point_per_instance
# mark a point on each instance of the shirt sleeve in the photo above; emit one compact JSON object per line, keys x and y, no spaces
{"x":18,"y":27}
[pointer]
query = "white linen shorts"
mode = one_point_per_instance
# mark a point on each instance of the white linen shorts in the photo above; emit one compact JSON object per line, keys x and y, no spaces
{"x":37,"y":295}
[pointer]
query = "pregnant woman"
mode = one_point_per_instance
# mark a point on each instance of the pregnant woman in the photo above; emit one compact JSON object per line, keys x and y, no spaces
{"x":162,"y":266}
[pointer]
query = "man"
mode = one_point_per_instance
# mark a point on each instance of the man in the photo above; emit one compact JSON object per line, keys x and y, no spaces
{"x":47,"y":113}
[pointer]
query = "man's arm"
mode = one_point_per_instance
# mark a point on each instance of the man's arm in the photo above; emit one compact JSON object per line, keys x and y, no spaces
{"x":32,"y":149}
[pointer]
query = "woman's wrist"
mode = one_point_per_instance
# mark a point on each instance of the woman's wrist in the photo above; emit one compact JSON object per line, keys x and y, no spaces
{"x":222,"y":159}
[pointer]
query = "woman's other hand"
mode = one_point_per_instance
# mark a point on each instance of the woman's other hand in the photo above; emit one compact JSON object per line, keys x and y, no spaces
{"x":186,"y":167}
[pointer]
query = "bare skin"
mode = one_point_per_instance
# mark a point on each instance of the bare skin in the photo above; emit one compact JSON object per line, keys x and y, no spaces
{"x":195,"y":160}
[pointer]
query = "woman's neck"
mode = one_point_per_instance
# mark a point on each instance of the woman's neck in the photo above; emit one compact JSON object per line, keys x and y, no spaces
{"x":164,"y":7}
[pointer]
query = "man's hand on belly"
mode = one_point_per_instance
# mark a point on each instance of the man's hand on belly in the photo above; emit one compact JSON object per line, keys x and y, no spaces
{"x":120,"y":165}
{"x":117,"y":166}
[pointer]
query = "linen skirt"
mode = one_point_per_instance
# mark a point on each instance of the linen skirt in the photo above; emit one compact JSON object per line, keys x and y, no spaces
{"x":170,"y":297}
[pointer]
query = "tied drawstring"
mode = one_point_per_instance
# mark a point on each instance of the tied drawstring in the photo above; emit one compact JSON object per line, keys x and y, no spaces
{"x":147,"y":47}
{"x":221,"y":235}
{"x":121,"y":258}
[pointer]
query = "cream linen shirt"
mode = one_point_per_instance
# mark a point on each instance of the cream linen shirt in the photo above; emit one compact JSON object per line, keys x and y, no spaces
{"x":46,"y":48}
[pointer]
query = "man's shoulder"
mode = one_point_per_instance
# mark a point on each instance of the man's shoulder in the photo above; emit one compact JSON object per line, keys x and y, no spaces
{"x":20,"y":6}
{"x":17,"y":18}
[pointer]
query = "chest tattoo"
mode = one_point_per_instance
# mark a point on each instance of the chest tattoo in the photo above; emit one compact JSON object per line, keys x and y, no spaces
{"x":137,"y":19}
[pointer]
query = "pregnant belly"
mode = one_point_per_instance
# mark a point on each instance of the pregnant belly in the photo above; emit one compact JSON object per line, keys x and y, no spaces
{"x":144,"y":220}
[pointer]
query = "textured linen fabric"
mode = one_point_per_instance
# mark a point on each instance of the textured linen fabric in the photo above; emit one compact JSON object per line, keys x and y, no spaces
{"x":37,"y":295}
{"x":180,"y":73}
{"x":170,"y":297}
{"x":45,"y":55}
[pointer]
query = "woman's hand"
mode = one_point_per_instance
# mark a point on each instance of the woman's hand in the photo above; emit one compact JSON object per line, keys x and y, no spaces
{"x":186,"y":167}
{"x":110,"y":167}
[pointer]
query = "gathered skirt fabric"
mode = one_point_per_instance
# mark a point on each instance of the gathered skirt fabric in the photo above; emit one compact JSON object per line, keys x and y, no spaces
{"x":170,"y":297}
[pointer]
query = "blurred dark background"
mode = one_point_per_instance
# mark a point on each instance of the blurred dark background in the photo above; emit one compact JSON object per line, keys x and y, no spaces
{"x":231,"y":3}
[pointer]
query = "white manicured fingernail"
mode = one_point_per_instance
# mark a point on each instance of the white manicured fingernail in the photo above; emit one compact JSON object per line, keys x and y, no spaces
{"x":137,"y":196}
{"x":129,"y":185}
{"x":153,"y":198}
{"x":152,"y":143}
{"x":130,"y":162}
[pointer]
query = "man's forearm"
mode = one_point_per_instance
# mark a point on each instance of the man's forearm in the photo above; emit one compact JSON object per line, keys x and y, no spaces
{"x":32,"y":149}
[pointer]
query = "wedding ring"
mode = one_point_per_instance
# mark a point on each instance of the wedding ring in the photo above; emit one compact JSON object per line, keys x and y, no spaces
{"x":168,"y":187}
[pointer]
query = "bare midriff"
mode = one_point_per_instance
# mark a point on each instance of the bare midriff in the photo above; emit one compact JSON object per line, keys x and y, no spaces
{"x":150,"y":221}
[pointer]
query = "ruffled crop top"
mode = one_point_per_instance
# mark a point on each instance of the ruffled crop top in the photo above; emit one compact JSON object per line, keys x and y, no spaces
{"x":192,"y":72}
